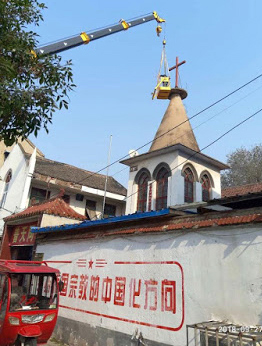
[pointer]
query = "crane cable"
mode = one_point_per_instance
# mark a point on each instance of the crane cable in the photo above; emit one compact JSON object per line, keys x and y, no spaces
{"x":162,"y":73}
{"x":192,"y":117}
{"x":163,"y":60}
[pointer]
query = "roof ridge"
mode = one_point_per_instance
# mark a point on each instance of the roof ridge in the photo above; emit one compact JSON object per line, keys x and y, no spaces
{"x":62,"y":209}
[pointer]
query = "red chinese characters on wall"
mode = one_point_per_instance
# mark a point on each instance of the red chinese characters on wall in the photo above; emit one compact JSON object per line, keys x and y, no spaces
{"x":156,"y":296}
{"x":83,"y":287}
{"x":120,"y":288}
{"x":94,"y":288}
{"x":22,"y":235}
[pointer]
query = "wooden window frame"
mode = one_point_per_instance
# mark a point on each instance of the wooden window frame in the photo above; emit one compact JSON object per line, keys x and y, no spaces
{"x":162,"y":188}
{"x":206,"y":188}
{"x":188,"y":185}
{"x":142,"y":192}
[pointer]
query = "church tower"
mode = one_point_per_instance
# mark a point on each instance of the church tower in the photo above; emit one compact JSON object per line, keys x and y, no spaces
{"x":174,"y":171}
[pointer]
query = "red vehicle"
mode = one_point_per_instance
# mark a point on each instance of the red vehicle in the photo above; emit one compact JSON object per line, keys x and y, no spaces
{"x":29,"y":293}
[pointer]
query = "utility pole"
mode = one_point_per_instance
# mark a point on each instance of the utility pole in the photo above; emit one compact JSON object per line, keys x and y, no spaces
{"x":107,"y":171}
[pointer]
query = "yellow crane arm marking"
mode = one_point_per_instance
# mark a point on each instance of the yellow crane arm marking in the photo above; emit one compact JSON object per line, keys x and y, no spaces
{"x":85,"y":37}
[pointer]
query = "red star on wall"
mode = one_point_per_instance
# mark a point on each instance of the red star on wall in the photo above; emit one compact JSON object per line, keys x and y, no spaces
{"x":90,"y":264}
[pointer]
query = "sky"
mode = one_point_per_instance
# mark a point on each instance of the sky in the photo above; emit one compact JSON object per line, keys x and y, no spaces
{"x":115,"y":76}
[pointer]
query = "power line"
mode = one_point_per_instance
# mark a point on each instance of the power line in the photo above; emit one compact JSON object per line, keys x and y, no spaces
{"x":195,"y":115}
{"x":2,"y":208}
{"x":204,"y":122}
{"x":225,"y":109}
{"x":7,"y":210}
{"x":207,"y":146}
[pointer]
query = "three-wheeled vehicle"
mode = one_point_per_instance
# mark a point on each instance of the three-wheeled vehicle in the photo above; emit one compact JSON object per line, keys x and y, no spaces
{"x":29,"y":293}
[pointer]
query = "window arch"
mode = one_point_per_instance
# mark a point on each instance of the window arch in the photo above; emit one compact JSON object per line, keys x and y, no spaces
{"x":7,"y":181}
{"x":142,"y":182}
{"x":160,"y":166}
{"x":161,"y":188}
{"x":207,"y":184}
{"x":189,"y":185}
{"x":206,"y":188}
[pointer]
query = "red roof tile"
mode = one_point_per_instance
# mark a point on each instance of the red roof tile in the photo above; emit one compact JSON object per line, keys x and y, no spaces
{"x":194,"y":222}
{"x":241,"y":190}
{"x":54,"y":206}
{"x":183,"y":223}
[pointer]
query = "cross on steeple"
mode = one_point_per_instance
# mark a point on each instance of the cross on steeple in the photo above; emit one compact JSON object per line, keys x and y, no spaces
{"x":176,"y":67}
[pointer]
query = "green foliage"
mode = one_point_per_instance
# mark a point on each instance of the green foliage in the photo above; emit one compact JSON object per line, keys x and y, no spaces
{"x":245,"y":167}
{"x":31,"y":87}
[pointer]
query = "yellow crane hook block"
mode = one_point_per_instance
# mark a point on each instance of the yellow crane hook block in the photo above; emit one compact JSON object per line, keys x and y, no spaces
{"x":162,"y":90}
{"x":158,"y":30}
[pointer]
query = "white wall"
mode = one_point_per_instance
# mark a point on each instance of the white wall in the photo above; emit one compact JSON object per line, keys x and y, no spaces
{"x":79,"y":206}
{"x":176,"y":163}
{"x":17,"y":163}
{"x":53,"y":220}
{"x":222,"y":279}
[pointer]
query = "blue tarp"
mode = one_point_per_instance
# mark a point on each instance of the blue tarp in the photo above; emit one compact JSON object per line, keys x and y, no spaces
{"x":89,"y":223}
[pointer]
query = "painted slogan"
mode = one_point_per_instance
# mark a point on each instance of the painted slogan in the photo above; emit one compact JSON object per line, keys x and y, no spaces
{"x":139,"y":292}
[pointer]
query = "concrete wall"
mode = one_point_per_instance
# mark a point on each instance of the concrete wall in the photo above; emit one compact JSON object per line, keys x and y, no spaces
{"x":27,"y":145}
{"x":156,"y":284}
{"x":53,"y":220}
{"x":17,"y":163}
{"x":176,"y":162}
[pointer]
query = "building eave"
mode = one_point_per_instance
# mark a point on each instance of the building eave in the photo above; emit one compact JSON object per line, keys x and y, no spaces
{"x":113,"y":220}
{"x":41,"y":178}
{"x":177,"y":147}
{"x":166,"y":221}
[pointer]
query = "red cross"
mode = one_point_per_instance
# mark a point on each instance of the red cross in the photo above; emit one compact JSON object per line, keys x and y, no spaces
{"x":176,"y":67}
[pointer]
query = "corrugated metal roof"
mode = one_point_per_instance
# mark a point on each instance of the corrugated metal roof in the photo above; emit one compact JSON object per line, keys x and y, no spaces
{"x":87,"y":223}
{"x":214,"y":219}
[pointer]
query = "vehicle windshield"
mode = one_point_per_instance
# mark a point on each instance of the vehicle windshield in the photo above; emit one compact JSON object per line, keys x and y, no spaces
{"x":33,"y":291}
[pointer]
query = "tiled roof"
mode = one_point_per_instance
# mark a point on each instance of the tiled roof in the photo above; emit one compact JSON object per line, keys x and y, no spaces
{"x":68,"y":173}
{"x":187,"y":224}
{"x":172,"y":223}
{"x":241,"y":190}
{"x":54,"y":206}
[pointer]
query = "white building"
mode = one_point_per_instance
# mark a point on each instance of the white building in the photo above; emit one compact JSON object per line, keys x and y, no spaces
{"x":183,"y":255}
{"x":27,"y":179}
{"x":26,"y":144}
{"x":173,"y":171}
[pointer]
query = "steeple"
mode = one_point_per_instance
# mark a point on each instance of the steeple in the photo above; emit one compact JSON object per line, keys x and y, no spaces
{"x":173,"y":171}
{"x":175,"y":127}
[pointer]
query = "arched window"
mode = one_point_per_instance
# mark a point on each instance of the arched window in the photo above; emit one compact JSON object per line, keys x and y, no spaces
{"x":142,"y":192}
{"x":189,"y":185}
{"x":7,"y":181}
{"x":206,"y":188}
{"x":161,"y":188}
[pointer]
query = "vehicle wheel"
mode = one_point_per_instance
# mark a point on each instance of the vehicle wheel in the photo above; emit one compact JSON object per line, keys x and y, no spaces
{"x":30,"y":342}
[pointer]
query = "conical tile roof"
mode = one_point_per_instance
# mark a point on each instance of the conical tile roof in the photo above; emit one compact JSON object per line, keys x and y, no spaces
{"x":175,"y":127}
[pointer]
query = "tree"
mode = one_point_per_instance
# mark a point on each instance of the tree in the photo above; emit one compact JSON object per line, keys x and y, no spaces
{"x":245,"y":167}
{"x":32,"y":86}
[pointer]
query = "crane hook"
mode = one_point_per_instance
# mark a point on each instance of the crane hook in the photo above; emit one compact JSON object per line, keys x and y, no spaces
{"x":158,"y":30}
